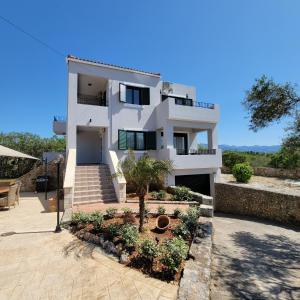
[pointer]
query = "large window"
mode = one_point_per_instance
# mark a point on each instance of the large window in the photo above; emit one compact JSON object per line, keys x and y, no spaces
{"x":134,"y":95}
{"x":137,"y":140}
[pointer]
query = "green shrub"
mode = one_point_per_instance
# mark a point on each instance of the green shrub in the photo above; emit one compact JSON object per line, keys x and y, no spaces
{"x":173,"y":252}
{"x":285,"y":159}
{"x":80,"y":217}
{"x":177,"y":212}
{"x":113,"y":230}
{"x":161,"y":210}
{"x":129,"y":234}
{"x":190,"y":218}
{"x":158,"y":195}
{"x":111,"y":212}
{"x":148,"y":248}
{"x":128,"y":215}
{"x":182,"y":193}
{"x":127,"y":210}
{"x":154,"y":195}
{"x":232,"y":158}
{"x":242,"y":172}
{"x":181,"y":230}
{"x":96,"y":218}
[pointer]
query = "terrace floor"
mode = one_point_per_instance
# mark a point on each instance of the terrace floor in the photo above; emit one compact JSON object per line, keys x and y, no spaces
{"x":36,"y":263}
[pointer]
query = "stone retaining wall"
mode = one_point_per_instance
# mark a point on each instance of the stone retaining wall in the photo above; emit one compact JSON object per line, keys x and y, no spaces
{"x":271,"y":172}
{"x":28,"y":179}
{"x":195,"y":282}
{"x":242,"y":200}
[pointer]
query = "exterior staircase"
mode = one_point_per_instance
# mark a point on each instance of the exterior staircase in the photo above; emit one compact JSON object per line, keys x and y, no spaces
{"x":93,"y":184}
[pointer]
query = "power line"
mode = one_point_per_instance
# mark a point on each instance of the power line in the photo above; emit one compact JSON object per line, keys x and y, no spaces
{"x":32,"y":36}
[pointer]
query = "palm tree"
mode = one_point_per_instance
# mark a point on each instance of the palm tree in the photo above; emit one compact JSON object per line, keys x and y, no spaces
{"x":141,"y":173}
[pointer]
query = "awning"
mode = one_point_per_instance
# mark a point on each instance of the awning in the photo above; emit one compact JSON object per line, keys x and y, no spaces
{"x":4,"y":151}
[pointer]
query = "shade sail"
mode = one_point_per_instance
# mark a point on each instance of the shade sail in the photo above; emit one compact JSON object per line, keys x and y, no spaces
{"x":4,"y":151}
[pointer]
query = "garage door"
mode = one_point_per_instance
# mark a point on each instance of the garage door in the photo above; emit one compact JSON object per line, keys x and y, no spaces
{"x":197,"y":183}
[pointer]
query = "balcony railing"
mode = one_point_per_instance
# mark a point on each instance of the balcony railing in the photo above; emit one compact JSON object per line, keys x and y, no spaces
{"x":196,"y":152}
{"x":92,"y":100}
{"x":190,"y":102}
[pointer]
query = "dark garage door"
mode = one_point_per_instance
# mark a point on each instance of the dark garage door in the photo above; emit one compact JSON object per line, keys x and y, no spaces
{"x":197,"y":183}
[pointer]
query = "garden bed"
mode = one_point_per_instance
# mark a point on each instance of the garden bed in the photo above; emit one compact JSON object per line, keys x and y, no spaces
{"x":159,"y":254}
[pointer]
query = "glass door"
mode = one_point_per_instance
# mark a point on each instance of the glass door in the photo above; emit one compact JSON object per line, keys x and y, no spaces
{"x":180,"y":143}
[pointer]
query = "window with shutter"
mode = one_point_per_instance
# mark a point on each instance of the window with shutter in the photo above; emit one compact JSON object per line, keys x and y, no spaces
{"x":137,"y":140}
{"x":122,"y":142}
{"x":134,"y":95}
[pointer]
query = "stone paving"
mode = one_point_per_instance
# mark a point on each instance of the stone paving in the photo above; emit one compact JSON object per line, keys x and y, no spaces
{"x":36,"y":263}
{"x":254,"y":259}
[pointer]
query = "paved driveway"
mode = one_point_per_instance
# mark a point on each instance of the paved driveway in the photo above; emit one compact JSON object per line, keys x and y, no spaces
{"x":255,"y":260}
{"x":36,"y":263}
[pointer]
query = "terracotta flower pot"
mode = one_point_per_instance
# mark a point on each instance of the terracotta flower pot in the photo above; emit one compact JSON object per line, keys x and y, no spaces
{"x":162,"y":222}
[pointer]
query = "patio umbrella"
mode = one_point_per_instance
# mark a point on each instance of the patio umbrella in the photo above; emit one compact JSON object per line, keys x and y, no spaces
{"x":4,"y":151}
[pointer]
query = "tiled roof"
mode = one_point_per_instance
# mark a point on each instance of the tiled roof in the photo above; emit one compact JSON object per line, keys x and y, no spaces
{"x":71,"y":57}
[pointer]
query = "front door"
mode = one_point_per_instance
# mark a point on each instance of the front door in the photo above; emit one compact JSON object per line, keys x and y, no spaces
{"x":89,"y":147}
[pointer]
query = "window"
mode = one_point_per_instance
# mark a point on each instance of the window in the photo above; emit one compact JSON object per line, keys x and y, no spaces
{"x":137,"y":140}
{"x":134,"y":95}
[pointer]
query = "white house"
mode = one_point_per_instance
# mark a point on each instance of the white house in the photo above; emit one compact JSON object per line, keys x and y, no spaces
{"x":112,"y":109}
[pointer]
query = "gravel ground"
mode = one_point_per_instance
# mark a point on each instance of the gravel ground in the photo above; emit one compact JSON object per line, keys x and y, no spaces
{"x":288,"y":186}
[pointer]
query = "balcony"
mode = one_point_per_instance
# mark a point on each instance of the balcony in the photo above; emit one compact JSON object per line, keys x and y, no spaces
{"x":59,"y":125}
{"x":200,"y":159}
{"x":92,"y":100}
{"x":187,"y":110}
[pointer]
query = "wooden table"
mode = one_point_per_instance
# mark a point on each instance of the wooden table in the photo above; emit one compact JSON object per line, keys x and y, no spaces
{"x":4,"y":189}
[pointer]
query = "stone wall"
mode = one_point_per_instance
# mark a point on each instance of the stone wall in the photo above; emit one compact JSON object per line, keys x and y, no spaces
{"x":271,"y":172}
{"x":241,"y":200}
{"x":28,"y":180}
{"x":195,"y":282}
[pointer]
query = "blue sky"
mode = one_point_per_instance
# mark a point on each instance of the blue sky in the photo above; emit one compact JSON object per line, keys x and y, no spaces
{"x":218,"y":46}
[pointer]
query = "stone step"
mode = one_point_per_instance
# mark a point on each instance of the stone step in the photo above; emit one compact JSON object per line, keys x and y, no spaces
{"x":98,"y":167}
{"x":98,"y":200}
{"x":206,"y":210}
{"x":207,"y":200}
{"x":94,"y":192}
{"x":93,"y":174}
{"x":91,"y":187}
{"x":95,"y":198}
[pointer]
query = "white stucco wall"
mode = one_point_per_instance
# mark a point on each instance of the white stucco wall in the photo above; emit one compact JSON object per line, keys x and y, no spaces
{"x":163,"y":116}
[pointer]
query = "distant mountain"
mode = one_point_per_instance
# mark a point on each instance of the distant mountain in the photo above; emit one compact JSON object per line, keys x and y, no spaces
{"x":255,"y":148}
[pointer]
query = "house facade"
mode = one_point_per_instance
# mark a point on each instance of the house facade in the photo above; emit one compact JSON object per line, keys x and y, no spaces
{"x":112,"y":109}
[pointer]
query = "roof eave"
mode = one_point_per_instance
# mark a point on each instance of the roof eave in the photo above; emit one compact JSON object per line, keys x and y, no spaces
{"x":98,"y":64}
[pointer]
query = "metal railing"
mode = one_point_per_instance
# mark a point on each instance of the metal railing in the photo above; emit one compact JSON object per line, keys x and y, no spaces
{"x":196,"y":151}
{"x":190,"y":102}
{"x":91,"y":100}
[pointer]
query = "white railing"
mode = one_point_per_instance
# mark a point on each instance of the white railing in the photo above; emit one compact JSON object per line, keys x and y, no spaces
{"x":69,"y":180}
{"x":119,"y":181}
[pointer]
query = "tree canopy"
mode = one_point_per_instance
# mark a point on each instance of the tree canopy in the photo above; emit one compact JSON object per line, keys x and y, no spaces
{"x":28,"y":143}
{"x":267,"y":102}
{"x":142,"y":172}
